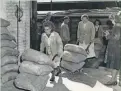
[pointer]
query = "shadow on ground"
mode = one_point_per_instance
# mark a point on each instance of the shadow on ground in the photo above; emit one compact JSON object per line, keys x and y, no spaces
{"x":80,"y":78}
{"x":83,"y":81}
{"x":59,"y":86}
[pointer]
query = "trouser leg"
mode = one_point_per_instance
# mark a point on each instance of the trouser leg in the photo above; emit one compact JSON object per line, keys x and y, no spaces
{"x":53,"y":75}
{"x":57,"y":67}
{"x":58,"y":71}
{"x":55,"y":72}
{"x":65,"y":42}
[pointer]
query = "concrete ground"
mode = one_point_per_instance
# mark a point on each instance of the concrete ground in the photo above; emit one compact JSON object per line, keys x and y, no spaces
{"x":88,"y":80}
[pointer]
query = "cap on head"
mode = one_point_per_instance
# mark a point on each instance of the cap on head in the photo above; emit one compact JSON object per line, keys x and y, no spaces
{"x":84,"y":15}
{"x":66,"y":17}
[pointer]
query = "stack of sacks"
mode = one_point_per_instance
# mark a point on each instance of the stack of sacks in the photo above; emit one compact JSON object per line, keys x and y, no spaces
{"x":98,"y":47}
{"x":9,"y":86}
{"x":73,"y":57}
{"x":9,"y":60}
{"x":34,"y":71}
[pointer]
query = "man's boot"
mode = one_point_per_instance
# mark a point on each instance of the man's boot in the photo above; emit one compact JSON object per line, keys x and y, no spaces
{"x":52,"y":79}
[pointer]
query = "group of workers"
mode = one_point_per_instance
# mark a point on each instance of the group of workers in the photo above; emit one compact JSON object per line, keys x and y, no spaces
{"x":87,"y":31}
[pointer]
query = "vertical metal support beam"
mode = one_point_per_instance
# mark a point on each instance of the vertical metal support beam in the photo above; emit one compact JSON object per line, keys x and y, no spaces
{"x":33,"y":26}
{"x":17,"y":29}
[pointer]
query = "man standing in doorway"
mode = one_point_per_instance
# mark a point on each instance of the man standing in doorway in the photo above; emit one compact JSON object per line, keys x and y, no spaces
{"x":65,"y":33}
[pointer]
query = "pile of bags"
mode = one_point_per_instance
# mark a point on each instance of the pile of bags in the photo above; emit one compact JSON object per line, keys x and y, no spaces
{"x":73,"y":57}
{"x":9,"y":54}
{"x":9,"y":86}
{"x":9,"y":58}
{"x":34,"y":71}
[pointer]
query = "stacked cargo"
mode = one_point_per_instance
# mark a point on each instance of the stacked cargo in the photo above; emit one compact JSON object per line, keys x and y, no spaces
{"x":73,"y":57}
{"x":9,"y":86}
{"x":34,"y":71}
{"x":9,"y":56}
{"x":9,"y":67}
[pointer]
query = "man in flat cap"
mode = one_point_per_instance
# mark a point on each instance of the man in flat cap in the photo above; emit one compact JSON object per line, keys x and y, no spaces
{"x":86,"y":35}
{"x":64,"y":32}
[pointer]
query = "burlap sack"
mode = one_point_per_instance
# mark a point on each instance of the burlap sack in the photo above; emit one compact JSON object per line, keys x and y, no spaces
{"x":9,"y":60}
{"x":4,"y":23}
{"x":37,"y":57}
{"x":34,"y":68}
{"x":4,"y":30}
{"x":74,"y":48}
{"x":8,"y":43}
{"x":31,"y":82}
{"x":8,"y":77}
{"x":9,"y":86}
{"x":72,"y":66}
{"x":6,"y":51}
{"x":73,"y":57}
{"x":8,"y":37}
{"x":9,"y":68}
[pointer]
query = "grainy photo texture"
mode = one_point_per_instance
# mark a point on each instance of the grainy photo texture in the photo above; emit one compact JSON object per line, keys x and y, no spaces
{"x":60,"y":45}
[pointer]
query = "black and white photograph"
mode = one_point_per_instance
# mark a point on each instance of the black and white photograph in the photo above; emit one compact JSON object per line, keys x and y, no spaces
{"x":60,"y":45}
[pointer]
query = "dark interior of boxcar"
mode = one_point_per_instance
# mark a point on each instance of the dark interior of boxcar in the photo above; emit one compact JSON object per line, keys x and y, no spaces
{"x":75,"y":12}
{"x":73,"y":24}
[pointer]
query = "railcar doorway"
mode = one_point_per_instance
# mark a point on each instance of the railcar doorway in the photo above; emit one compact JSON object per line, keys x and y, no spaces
{"x":38,"y":15}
